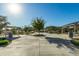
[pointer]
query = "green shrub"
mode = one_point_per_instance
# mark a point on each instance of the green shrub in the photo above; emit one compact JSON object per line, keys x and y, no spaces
{"x":4,"y":42}
{"x":75,"y":42}
{"x":2,"y":38}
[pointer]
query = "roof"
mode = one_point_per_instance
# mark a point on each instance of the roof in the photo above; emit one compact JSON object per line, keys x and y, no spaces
{"x":71,"y":24}
{"x":10,"y":27}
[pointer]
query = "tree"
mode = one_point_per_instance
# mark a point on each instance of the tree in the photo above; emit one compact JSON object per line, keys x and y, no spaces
{"x":17,"y":30}
{"x":38,"y":24}
{"x":27,"y":28}
{"x":3,"y":22}
{"x":53,"y":29}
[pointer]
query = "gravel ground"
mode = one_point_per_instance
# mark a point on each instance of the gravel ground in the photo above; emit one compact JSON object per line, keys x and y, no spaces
{"x":49,"y":45}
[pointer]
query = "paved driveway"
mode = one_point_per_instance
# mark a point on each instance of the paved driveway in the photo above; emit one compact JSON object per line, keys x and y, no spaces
{"x":50,"y":45}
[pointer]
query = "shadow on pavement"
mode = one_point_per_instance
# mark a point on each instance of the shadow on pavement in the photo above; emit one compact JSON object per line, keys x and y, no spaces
{"x":61,"y":43}
{"x":13,"y":38}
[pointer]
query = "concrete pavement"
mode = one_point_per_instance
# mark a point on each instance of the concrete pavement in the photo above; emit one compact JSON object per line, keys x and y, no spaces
{"x":50,"y":45}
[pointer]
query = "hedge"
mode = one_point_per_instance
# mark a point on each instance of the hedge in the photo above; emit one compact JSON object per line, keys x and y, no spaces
{"x":4,"y":42}
{"x":75,"y":42}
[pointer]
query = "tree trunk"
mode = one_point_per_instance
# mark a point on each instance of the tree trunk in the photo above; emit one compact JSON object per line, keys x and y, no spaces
{"x":39,"y":32}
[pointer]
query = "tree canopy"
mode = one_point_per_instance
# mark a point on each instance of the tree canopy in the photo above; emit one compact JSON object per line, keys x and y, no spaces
{"x":3,"y":22}
{"x":38,"y":24}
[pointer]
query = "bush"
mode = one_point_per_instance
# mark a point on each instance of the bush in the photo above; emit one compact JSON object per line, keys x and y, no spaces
{"x":75,"y":42}
{"x":4,"y":42}
{"x":2,"y":38}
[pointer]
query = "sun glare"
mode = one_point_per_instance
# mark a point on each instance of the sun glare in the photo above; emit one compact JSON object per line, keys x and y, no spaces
{"x":14,"y":8}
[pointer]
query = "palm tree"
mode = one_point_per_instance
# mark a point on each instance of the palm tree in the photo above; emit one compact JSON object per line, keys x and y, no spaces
{"x":38,"y":24}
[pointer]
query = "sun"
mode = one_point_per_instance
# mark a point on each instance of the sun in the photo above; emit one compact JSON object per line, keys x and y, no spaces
{"x":14,"y":8}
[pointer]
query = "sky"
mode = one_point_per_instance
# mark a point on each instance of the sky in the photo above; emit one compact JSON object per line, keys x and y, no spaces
{"x":54,"y":14}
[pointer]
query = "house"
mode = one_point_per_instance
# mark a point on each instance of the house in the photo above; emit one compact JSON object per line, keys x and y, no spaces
{"x":71,"y":26}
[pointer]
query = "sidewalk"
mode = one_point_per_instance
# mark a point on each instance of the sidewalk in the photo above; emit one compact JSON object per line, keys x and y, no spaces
{"x":50,"y":45}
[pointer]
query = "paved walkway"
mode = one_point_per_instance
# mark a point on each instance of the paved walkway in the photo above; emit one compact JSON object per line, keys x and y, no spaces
{"x":51,"y":45}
